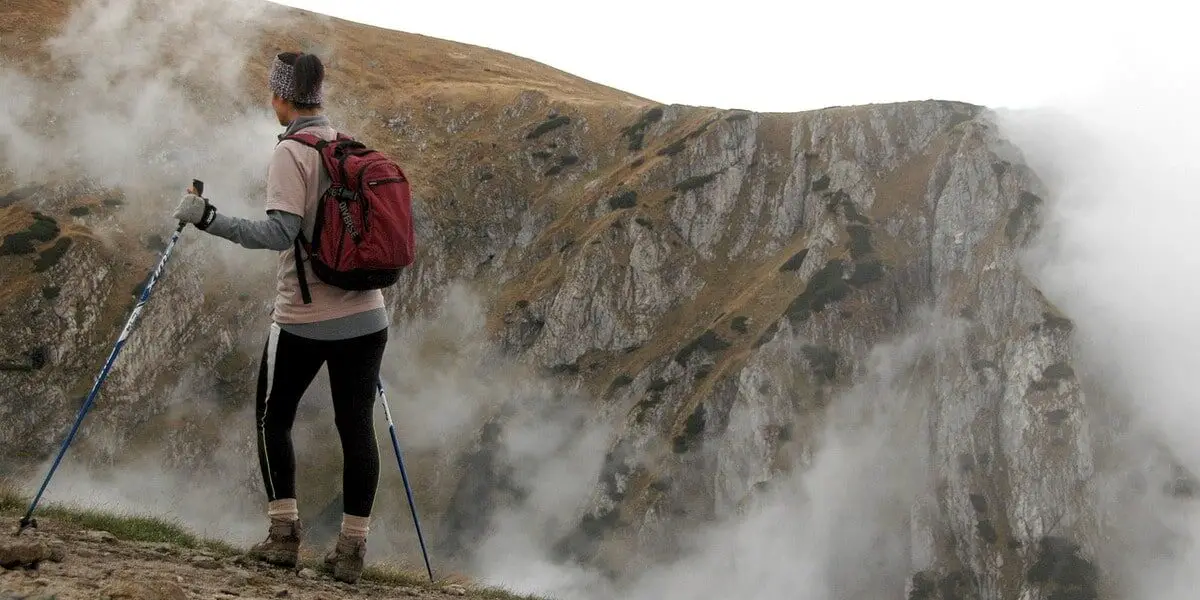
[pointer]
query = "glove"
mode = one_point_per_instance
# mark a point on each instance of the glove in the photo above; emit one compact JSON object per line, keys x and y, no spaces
{"x":196,"y":210}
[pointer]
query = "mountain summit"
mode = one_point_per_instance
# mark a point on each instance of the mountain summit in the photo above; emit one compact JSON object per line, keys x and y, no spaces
{"x":659,"y":349}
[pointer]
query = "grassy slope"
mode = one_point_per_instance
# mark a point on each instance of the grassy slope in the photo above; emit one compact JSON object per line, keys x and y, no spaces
{"x":135,"y":528}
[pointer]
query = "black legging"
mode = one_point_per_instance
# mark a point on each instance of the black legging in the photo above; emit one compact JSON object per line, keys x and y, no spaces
{"x":289,"y":364}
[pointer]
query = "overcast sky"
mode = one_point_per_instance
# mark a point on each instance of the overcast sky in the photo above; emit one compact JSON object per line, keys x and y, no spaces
{"x":776,"y":55}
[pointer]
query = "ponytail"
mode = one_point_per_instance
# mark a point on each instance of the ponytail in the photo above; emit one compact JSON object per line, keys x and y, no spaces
{"x":309,"y":75}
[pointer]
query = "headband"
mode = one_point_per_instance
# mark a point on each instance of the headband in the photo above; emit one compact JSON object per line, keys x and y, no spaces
{"x":282,"y":81}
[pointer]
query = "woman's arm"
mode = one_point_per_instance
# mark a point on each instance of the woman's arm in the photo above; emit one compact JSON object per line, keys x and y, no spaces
{"x":277,"y":232}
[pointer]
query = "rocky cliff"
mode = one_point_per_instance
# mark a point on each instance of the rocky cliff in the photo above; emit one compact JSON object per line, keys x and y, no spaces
{"x":688,"y":308}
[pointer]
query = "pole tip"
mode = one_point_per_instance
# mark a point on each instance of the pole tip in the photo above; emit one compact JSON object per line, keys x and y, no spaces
{"x":27,"y":523}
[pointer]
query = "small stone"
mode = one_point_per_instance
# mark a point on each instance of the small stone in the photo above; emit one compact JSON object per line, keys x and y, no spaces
{"x":136,"y":590}
{"x":283,"y":593}
{"x":410,"y":591}
{"x":455,"y":589}
{"x":241,"y":579}
{"x":205,"y":562}
{"x":99,"y":536}
{"x":27,"y":553}
{"x":307,"y":573}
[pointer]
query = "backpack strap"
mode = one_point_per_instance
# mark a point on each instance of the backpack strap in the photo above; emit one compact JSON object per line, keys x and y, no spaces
{"x":304,"y":293}
{"x":317,"y":144}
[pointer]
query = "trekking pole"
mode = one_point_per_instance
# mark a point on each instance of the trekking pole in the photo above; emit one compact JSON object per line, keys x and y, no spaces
{"x":407,"y":490}
{"x":28,"y":520}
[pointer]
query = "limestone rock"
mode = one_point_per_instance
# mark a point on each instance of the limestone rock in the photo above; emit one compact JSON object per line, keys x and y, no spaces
{"x":100,"y":536}
{"x":22,"y":553}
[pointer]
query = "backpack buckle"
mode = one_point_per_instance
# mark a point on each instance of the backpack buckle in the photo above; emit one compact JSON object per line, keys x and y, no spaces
{"x":342,"y":193}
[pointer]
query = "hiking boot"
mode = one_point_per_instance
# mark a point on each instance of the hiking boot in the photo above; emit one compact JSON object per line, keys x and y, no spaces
{"x":282,"y":546}
{"x":346,"y":559}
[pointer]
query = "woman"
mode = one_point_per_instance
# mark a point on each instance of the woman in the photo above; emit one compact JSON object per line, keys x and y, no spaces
{"x":345,"y":330}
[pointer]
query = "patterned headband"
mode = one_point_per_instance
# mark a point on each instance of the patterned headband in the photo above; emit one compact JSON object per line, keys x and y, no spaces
{"x":282,"y":82}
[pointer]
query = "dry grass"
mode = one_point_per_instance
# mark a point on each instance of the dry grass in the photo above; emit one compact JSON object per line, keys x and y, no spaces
{"x":136,"y":528}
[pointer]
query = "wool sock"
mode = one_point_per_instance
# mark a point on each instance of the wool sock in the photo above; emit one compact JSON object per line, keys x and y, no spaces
{"x":355,"y":527}
{"x":283,"y":509}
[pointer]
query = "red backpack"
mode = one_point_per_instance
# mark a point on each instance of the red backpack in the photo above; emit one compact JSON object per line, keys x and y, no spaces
{"x":363,"y":235}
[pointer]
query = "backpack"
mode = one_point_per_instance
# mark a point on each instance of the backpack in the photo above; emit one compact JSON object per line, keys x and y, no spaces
{"x":363,"y":235}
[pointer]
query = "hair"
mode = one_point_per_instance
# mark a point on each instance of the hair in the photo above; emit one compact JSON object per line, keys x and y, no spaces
{"x":308,"y":75}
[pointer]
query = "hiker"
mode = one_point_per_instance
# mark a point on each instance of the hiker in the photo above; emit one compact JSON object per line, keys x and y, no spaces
{"x":346,"y":330}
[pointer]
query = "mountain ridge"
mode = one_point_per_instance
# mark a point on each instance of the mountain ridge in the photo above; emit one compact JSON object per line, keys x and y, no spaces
{"x":679,"y":315}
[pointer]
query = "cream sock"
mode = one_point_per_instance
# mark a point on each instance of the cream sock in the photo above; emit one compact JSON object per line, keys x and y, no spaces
{"x":355,"y":527}
{"x":283,"y":509}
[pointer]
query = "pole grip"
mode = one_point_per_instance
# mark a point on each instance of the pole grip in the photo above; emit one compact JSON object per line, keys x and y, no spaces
{"x":199,"y":187}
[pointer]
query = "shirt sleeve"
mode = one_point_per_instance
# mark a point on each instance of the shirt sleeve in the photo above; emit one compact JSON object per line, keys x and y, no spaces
{"x":275,"y":233}
{"x":286,"y":190}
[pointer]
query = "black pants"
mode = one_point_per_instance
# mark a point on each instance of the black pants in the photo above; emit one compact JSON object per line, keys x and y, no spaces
{"x":289,"y":364}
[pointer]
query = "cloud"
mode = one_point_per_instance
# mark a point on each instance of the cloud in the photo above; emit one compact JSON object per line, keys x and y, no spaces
{"x":145,"y":96}
{"x":1117,"y":256}
{"x":808,"y":535}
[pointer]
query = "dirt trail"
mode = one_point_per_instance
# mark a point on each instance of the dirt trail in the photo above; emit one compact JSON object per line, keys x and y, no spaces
{"x":94,"y":565}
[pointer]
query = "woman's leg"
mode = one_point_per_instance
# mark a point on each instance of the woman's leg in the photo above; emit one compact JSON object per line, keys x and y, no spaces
{"x":289,"y":364}
{"x":353,"y":373}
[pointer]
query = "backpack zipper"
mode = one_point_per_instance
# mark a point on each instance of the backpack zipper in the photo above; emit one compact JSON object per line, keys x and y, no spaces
{"x":376,"y":182}
{"x":366,"y":206}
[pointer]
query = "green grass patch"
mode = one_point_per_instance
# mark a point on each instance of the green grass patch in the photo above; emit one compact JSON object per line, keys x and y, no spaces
{"x":1052,"y":376}
{"x":822,"y":360}
{"x":740,"y":324}
{"x":708,"y":341}
{"x":795,"y":262}
{"x":155,"y":530}
{"x":636,"y":133}
{"x":865,"y":273}
{"x":696,"y":182}
{"x":826,"y":287}
{"x":49,"y":257}
{"x":548,"y":126}
{"x":620,"y":381}
{"x":693,"y":428}
{"x":18,"y":195}
{"x":563,"y":162}
{"x":80,"y":211}
{"x":626,"y":199}
{"x":43,"y":229}
{"x":1023,"y":216}
{"x":673,"y":149}
{"x":124,"y":526}
{"x":851,"y":211}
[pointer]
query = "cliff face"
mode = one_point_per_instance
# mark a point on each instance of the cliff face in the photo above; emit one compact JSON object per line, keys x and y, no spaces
{"x":713,"y":282}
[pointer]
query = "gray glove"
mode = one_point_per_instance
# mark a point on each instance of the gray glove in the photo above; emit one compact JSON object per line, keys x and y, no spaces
{"x":196,"y":210}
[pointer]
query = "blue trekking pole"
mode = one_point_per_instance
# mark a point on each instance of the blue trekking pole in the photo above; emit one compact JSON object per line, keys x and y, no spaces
{"x":27,"y":521}
{"x":407,"y":490}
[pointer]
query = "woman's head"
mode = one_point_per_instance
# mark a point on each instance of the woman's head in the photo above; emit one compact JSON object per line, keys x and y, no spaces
{"x":295,"y":81}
